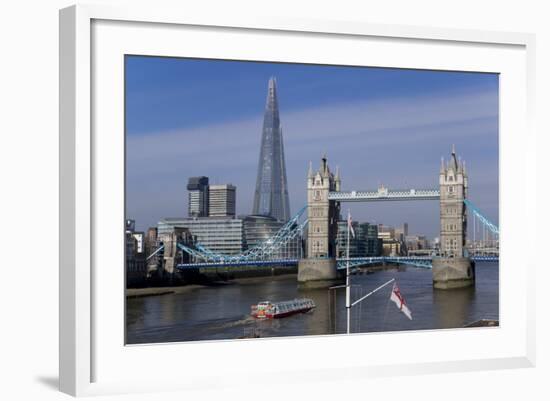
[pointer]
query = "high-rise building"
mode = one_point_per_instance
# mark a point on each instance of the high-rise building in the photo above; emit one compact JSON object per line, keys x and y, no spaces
{"x":222,"y":200}
{"x":271,"y":195}
{"x":197,"y":188}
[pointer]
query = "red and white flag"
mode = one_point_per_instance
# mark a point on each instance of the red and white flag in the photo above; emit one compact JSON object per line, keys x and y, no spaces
{"x":398,"y":299}
{"x":350,"y":227}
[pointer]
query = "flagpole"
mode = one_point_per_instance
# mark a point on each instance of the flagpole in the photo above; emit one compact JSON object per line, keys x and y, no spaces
{"x":348,"y":295}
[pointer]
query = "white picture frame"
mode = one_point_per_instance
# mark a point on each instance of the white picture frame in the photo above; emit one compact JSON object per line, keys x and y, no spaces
{"x":89,"y":357}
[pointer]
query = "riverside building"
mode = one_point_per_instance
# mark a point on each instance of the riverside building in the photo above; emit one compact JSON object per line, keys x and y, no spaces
{"x":373,"y":245}
{"x":219,"y":234}
{"x":342,"y":240}
{"x":222,"y":200}
{"x":365,"y":242}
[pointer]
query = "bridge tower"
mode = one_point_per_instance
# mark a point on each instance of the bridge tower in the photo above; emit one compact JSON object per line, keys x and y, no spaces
{"x":452,"y":268}
{"x":170,"y":260}
{"x":318,"y":269}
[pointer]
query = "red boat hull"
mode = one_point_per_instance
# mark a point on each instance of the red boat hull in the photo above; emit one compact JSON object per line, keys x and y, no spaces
{"x":277,"y":310}
{"x":282,"y":314}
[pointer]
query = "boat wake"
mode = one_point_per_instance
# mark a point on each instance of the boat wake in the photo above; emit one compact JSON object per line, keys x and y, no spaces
{"x":246,"y":320}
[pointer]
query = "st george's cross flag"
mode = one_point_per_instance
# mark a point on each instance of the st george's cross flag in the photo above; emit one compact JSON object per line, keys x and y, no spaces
{"x":350,"y":227}
{"x":398,"y":299}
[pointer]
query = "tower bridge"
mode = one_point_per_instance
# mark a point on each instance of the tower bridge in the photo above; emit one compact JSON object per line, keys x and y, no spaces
{"x":452,"y":267}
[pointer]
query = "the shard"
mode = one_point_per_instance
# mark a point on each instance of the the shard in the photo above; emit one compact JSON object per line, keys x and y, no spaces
{"x":271,"y":195}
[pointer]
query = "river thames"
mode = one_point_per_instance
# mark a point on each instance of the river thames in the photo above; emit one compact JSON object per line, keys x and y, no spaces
{"x":223,"y":311}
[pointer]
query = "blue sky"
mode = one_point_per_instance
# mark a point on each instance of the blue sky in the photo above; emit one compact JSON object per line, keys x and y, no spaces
{"x":187,"y":117}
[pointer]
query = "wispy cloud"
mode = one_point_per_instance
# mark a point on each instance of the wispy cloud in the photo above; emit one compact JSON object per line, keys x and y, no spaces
{"x":396,"y":141}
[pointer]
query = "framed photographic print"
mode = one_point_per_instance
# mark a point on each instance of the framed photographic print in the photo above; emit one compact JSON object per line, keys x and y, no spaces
{"x":268,"y":190}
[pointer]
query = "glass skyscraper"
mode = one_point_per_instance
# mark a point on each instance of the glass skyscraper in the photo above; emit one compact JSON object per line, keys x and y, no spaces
{"x":271,"y":195}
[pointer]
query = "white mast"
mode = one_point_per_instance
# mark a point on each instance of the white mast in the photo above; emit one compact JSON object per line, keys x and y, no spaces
{"x":348,"y":295}
{"x":349,"y":305}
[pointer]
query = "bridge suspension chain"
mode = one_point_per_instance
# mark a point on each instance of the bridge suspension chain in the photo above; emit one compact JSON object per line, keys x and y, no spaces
{"x":487,"y":243}
{"x":487,"y":247}
{"x":268,"y":247}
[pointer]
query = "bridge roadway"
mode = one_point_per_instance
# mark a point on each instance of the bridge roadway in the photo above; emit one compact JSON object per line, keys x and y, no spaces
{"x":417,"y":261}
{"x":263,"y":253}
{"x":384,"y":194}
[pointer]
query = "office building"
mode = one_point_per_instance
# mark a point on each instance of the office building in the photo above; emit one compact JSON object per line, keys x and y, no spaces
{"x":365,"y":243}
{"x":386,"y":232}
{"x":219,"y":234}
{"x":402,"y":232}
{"x":416,"y":242}
{"x":417,"y":245}
{"x":373,"y":245}
{"x":392,"y":240}
{"x":391,"y":247}
{"x":197,"y":188}
{"x":354,"y":241}
{"x":222,"y":200}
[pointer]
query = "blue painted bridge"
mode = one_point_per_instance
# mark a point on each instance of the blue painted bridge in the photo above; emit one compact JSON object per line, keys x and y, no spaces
{"x":417,"y":261}
{"x":266,"y":253}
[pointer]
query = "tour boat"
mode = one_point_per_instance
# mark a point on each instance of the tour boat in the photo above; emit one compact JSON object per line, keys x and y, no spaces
{"x":275,"y":310}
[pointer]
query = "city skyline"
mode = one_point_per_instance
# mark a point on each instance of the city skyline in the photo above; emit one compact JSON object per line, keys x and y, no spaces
{"x":380,"y":126}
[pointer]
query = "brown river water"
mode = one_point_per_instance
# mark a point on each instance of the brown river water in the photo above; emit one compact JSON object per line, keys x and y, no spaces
{"x":223,"y":311}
